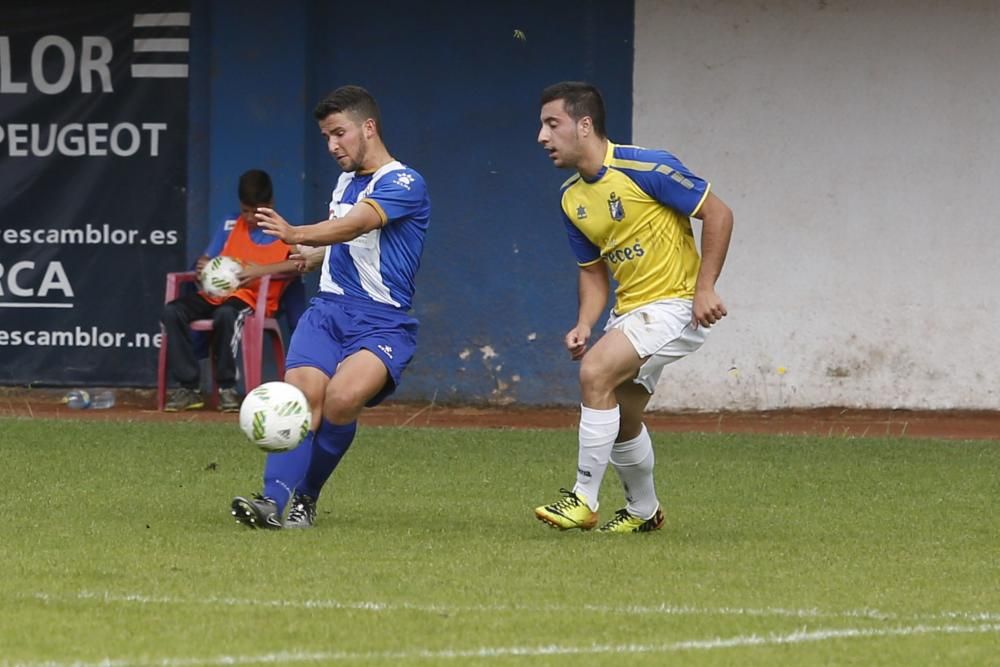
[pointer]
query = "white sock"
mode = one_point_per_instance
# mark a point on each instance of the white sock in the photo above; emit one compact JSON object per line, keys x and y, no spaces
{"x":598,"y":430}
{"x":633,"y":460}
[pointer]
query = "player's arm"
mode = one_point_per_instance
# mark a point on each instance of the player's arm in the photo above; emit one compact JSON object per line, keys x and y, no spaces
{"x":251,"y":272}
{"x":308,"y":258}
{"x":594,"y":289}
{"x":592,"y":285}
{"x":674,"y":185}
{"x":361,"y":219}
{"x":716,"y":230}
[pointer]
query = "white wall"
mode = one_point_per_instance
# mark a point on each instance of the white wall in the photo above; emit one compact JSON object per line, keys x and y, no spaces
{"x":856,"y":143}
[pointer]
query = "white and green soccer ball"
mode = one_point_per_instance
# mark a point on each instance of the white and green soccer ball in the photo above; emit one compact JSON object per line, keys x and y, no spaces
{"x":275,"y":416}
{"x":220,"y":277}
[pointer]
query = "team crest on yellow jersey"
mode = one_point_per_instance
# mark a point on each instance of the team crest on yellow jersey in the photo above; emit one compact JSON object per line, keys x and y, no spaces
{"x":616,"y":207}
{"x":581,"y":212}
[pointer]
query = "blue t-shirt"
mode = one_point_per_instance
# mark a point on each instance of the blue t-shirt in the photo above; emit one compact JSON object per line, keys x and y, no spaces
{"x":380,"y":265}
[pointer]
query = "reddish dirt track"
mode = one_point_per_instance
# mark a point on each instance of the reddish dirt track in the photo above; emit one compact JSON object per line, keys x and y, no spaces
{"x":138,"y":405}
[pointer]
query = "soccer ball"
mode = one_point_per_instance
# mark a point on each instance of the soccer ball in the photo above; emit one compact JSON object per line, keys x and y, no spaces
{"x":275,"y":416}
{"x":220,"y":277}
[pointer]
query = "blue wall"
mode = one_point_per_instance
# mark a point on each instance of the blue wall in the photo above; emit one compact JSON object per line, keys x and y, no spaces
{"x":459,"y":97}
{"x":248,"y":97}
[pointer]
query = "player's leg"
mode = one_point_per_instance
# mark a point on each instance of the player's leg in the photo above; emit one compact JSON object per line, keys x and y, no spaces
{"x":358,"y":379}
{"x":227,"y":332}
{"x":284,"y":471}
{"x":609,"y":363}
{"x":378,"y":345}
{"x":313,"y":355}
{"x":612,"y":361}
{"x":633,"y":459}
{"x":632,"y":401}
{"x":663,"y":334}
{"x":182,"y":363}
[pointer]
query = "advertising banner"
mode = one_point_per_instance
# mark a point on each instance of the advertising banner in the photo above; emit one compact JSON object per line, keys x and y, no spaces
{"x":93,"y":171}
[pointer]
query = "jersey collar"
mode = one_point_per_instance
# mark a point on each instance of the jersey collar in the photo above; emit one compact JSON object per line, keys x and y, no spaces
{"x":604,"y":168}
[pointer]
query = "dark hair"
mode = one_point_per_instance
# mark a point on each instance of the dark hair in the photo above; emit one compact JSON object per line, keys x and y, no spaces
{"x":255,"y":188}
{"x":353,"y":100}
{"x":580,"y":99}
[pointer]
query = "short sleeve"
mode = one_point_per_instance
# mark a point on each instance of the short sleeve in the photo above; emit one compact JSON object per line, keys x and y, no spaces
{"x":584,"y":251}
{"x":400,"y":194}
{"x":663,"y":177}
{"x":220,"y":236}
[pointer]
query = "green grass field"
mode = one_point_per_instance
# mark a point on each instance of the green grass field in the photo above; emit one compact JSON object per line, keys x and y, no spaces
{"x":119,"y":550}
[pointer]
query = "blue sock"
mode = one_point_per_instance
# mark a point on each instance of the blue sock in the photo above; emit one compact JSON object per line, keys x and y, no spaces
{"x":329,"y":446}
{"x":284,"y":471}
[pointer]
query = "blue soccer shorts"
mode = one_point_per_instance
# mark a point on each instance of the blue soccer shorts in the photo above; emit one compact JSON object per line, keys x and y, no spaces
{"x":334,"y":327}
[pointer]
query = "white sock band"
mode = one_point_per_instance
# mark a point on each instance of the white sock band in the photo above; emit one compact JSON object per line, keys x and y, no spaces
{"x":633,"y":461}
{"x":598,"y":430}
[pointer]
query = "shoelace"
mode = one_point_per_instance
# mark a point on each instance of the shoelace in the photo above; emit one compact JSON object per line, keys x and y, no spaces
{"x":571,"y":500}
{"x":621,"y":516}
{"x":299,"y":511}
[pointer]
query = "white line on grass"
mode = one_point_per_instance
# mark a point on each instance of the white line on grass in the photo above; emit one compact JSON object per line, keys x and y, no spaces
{"x":739,"y":641}
{"x":629,"y":610}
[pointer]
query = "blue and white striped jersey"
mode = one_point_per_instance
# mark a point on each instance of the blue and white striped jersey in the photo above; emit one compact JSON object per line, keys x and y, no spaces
{"x":380,"y":265}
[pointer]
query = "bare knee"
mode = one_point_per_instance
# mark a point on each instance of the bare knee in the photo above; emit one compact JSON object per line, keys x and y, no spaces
{"x":342,"y":407}
{"x":592,"y":376}
{"x":596,"y":383}
{"x":313,"y":383}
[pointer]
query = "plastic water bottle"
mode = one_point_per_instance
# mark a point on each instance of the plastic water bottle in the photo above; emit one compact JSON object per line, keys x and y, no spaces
{"x":78,"y":399}
{"x":81,"y":399}
{"x":103,"y":399}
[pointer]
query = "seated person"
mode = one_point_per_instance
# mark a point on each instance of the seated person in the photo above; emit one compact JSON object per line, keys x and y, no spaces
{"x":260,"y":254}
{"x":293,"y":300}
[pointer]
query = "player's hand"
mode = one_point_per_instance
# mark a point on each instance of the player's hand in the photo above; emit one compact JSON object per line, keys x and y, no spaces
{"x":576,"y":341}
{"x":307,"y":258}
{"x":274,"y":225}
{"x":707,"y":308}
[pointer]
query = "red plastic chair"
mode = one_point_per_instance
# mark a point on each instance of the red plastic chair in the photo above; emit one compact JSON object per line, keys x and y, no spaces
{"x":254,"y":328}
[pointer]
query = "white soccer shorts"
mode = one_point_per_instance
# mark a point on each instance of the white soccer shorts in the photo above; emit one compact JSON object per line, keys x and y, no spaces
{"x":661,"y":332}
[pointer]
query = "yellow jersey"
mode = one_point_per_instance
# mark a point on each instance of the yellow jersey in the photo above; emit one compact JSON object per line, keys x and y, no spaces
{"x":636,"y":216}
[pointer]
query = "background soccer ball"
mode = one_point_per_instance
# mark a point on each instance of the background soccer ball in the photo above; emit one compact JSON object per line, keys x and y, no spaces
{"x":220,"y":276}
{"x":275,"y":416}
